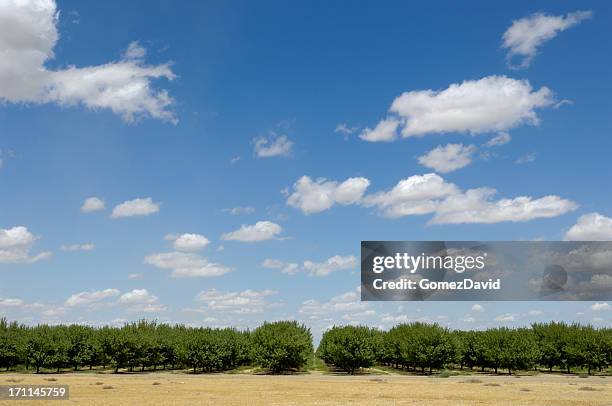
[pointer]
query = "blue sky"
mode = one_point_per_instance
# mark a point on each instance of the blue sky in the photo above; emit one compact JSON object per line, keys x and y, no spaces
{"x":204,"y":107}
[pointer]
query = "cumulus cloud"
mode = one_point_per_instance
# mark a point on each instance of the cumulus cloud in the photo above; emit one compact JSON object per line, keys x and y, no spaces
{"x":591,"y":227}
{"x":186,"y":265}
{"x":272,"y":146}
{"x":477,"y":206}
{"x":28,"y":32}
{"x":92,"y":204}
{"x":448,"y":158}
{"x":490,"y":104}
{"x":247,"y":301}
{"x":136,"y":207}
{"x":7,"y":302}
{"x":500,"y":139}
{"x":90,"y":297}
{"x":289,"y":268}
{"x":140,"y":300}
{"x":260,"y":231}
{"x":478,"y":308}
{"x":188,"y":242}
{"x":16,"y":244}
{"x":597,"y":307}
{"x":333,"y":264}
{"x":505,"y":318}
{"x":239,"y":210}
{"x":135,"y":51}
{"x":385,"y":131}
{"x":415,"y":195}
{"x":345,"y":302}
{"x":526,"y":35}
{"x":315,"y":196}
{"x":426,"y":194}
{"x":430,"y":193}
{"x":77,"y":247}
{"x":344,"y":129}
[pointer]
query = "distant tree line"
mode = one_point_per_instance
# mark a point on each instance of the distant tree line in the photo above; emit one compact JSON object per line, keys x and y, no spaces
{"x":287,"y":346}
{"x":425,"y":347}
{"x":145,"y":345}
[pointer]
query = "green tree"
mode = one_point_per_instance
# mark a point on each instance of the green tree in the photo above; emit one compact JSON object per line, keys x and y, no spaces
{"x":282,"y":345}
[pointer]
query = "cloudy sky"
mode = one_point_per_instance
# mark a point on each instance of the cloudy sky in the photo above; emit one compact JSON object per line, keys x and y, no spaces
{"x":219,"y":163}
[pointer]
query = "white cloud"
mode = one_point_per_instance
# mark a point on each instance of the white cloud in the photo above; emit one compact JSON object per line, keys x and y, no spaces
{"x":136,"y":275}
{"x":186,"y":265}
{"x":526,"y":35}
{"x":535,"y":313}
{"x":136,"y":207}
{"x":16,"y":244}
{"x":430,"y":193}
{"x":289,"y":268}
{"x":240,"y":210}
{"x":418,"y":194}
{"x":490,"y":104}
{"x":345,"y":302}
{"x":500,"y":139}
{"x":247,"y":301}
{"x":78,"y":247}
{"x":591,"y":227}
{"x":315,"y":196}
{"x":477,"y":308}
{"x":333,"y":264}
{"x":188,"y":242}
{"x":134,"y":51}
{"x":28,"y":32}
{"x":525,"y":159}
{"x":92,"y":204}
{"x":87,"y":298}
{"x":260,"y":231}
{"x":344,"y":129}
{"x":272,"y":146}
{"x":425,"y":194}
{"x":596,"y":307}
{"x":448,"y":158}
{"x":385,"y":131}
{"x":6,"y":302}
{"x":477,"y":206}
{"x":140,"y":300}
{"x":504,"y":318}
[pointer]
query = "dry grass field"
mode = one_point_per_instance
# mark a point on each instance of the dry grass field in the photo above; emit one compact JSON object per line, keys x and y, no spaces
{"x":318,"y":389}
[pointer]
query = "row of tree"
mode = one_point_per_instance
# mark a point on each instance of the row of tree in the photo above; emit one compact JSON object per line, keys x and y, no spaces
{"x":287,"y":345}
{"x":284,"y":345}
{"x":420,"y":346}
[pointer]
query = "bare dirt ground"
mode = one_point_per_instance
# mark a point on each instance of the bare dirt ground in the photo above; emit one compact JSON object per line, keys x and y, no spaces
{"x":318,"y":389}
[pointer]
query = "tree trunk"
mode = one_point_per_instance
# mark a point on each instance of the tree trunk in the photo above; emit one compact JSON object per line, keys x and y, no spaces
{"x":37,"y":368}
{"x":495,"y":370}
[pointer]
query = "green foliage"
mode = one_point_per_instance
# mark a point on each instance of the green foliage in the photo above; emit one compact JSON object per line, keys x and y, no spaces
{"x":420,"y":345}
{"x":287,"y":345}
{"x":281,"y":346}
{"x":349,"y":347}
